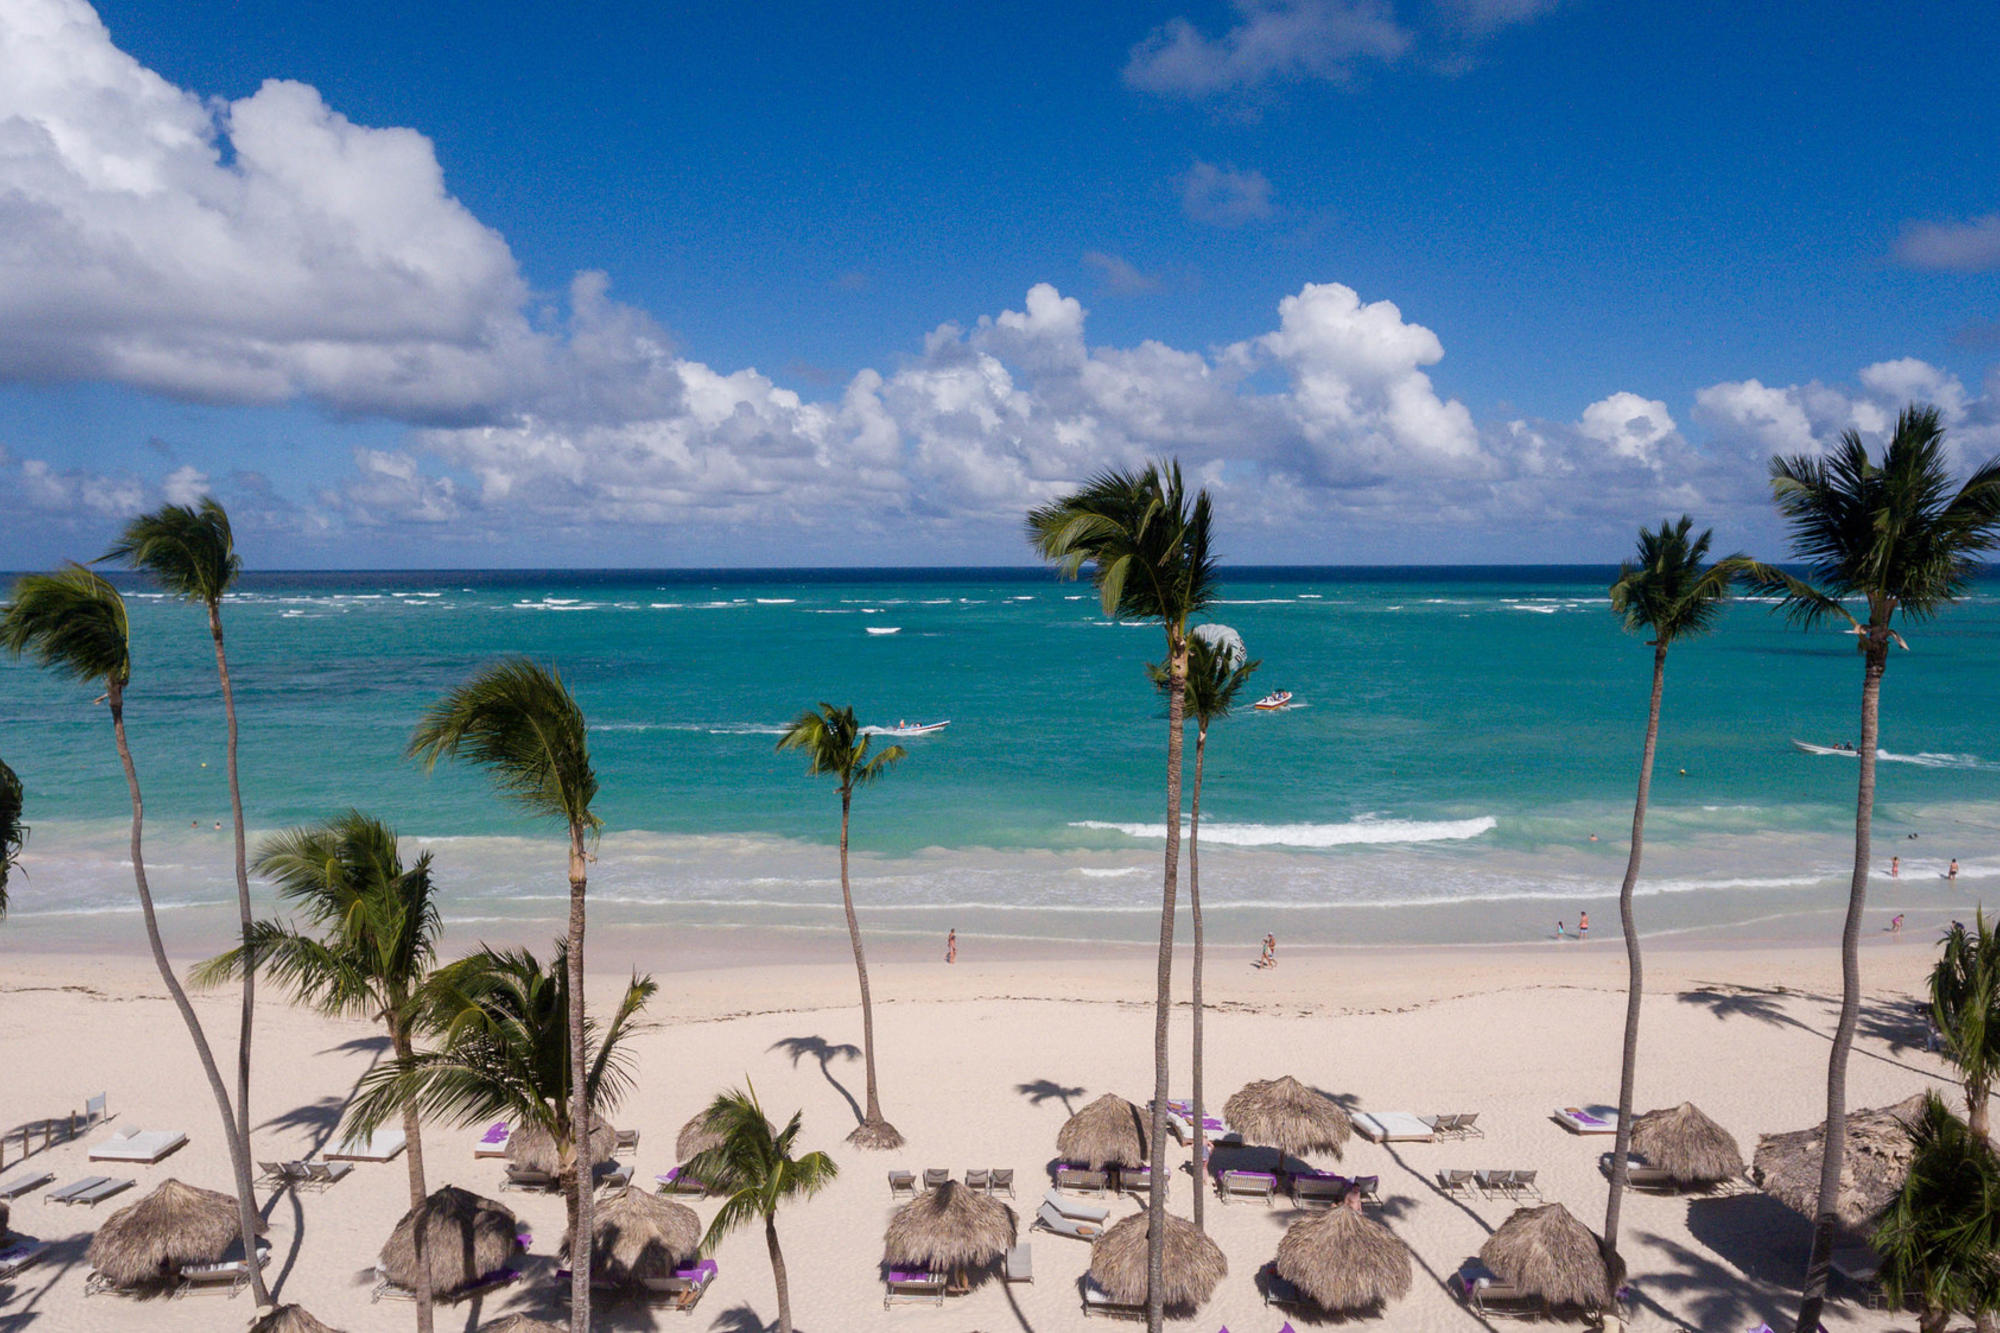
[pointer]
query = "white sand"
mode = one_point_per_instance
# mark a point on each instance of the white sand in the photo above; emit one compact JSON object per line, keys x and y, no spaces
{"x":1510,"y":1033}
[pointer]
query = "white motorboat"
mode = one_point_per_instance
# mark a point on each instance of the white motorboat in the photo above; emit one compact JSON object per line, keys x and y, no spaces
{"x":885,"y":629}
{"x":1271,"y":703}
{"x":1846,"y":751}
{"x":908,"y":729}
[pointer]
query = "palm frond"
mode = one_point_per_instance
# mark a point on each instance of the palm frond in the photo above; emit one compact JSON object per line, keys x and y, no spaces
{"x":752,"y":1164}
{"x":71,"y":622}
{"x":1666,"y":591}
{"x":833,"y":742}
{"x":520,"y":723}
{"x":189,"y":549}
{"x":1939,"y":1237}
{"x":13,"y":833}
{"x":1145,"y":539}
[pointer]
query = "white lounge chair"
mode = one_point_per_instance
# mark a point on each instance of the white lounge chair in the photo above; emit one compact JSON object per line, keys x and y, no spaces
{"x":1021,"y":1262}
{"x":1053,"y":1220}
{"x":323,"y":1175}
{"x":381,"y":1146}
{"x":1393,"y":1127}
{"x":144,"y":1146}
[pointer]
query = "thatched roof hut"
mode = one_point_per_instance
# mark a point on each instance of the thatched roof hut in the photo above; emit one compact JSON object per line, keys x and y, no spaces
{"x":696,"y":1136}
{"x":947,"y":1229}
{"x":1872,"y":1169}
{"x":637,"y":1235}
{"x":289,"y":1319}
{"x":534,"y":1148}
{"x":1285,"y":1114}
{"x":174,"y":1225}
{"x":1546,"y":1252}
{"x":1344,"y":1261}
{"x":1192,"y":1267}
{"x":1108,"y":1132}
{"x":466,"y":1238}
{"x":1687,"y":1145}
{"x":520,"y":1323}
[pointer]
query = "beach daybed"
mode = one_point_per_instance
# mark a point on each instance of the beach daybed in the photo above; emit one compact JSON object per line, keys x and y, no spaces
{"x":1393,"y":1127}
{"x":1588,"y":1119}
{"x":20,"y":1253}
{"x":1319,"y":1189}
{"x":1640,"y":1175}
{"x":381,"y":1146}
{"x":493,"y":1143}
{"x":1021,"y":1263}
{"x":24,"y":1180}
{"x":91,"y":1190}
{"x":1478,"y":1286}
{"x":1247,"y":1184}
{"x":1096,"y":1300}
{"x":143,"y":1146}
{"x":906,"y":1288}
{"x":682,"y":1290}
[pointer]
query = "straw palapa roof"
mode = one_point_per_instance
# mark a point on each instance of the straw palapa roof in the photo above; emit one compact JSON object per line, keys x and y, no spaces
{"x":1190,"y":1269}
{"x":534,"y":1148}
{"x":176,"y":1224}
{"x":1872,"y":1168}
{"x":948,"y":1228}
{"x":696,"y":1136}
{"x":639,"y":1235}
{"x":1108,"y":1132}
{"x":1285,"y":1114}
{"x":1687,"y":1145}
{"x":466,"y":1237}
{"x":289,"y":1319}
{"x":1344,"y":1261}
{"x":1546,"y":1252}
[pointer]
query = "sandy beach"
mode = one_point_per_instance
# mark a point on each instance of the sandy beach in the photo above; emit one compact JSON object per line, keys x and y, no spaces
{"x":980,"y":1064}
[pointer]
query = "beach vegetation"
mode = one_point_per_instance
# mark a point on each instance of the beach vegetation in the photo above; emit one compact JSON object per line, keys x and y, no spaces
{"x":13,"y":832}
{"x":1940,"y":1238}
{"x":1965,"y":1007}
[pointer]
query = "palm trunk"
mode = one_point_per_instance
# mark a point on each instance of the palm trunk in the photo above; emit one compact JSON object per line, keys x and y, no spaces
{"x":399,"y":1038}
{"x":239,"y":1161}
{"x":1826,"y":1221}
{"x":873,"y":1131}
{"x":579,"y":1062}
{"x":1636,"y":984}
{"x":1976,"y":1112}
{"x":242,"y":886}
{"x":1194,"y":907}
{"x":778,"y":1273}
{"x":1163,"y":1001}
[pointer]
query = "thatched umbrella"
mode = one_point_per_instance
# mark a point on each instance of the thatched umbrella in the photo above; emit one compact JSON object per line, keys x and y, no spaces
{"x":520,"y":1323}
{"x":639,"y":1235}
{"x":1687,"y":1145}
{"x":1546,"y":1252}
{"x":289,"y":1319}
{"x":466,"y":1238}
{"x":1344,"y":1261}
{"x":1872,"y":1169}
{"x":533,"y":1148}
{"x":1191,"y":1268}
{"x":1108,"y":1132}
{"x":1285,"y":1114}
{"x":948,"y":1230}
{"x":174,"y":1225}
{"x":696,"y":1136}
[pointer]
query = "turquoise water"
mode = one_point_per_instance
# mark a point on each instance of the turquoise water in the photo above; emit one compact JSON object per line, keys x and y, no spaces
{"x":1457,"y":738}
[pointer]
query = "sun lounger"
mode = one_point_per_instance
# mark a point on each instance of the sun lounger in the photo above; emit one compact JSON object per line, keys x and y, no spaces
{"x":935,"y":1176}
{"x":907,"y":1288}
{"x":381,"y":1146}
{"x":19,"y":1254}
{"x":1481,"y":1288}
{"x":1393,"y":1127}
{"x":1862,"y":1266}
{"x":24,"y":1180}
{"x":323,"y":1176}
{"x":678,"y":1181}
{"x":144,"y":1146}
{"x":493,"y":1143}
{"x":1135,"y":1179}
{"x":681,"y":1290}
{"x":1588,"y":1119}
{"x":1639,"y":1174}
{"x":978,"y":1180}
{"x":1021,"y":1263}
{"x":1075,"y":1208}
{"x":1276,"y":1290}
{"x":1071,"y":1177}
{"x":627,"y":1141}
{"x":1098,"y":1301}
{"x":1455,"y":1181}
{"x":1052,"y":1219}
{"x":1247,"y":1184}
{"x":1317,"y":1191}
{"x":97,"y":1110}
{"x":1002,"y":1181}
{"x":230,"y":1275}
{"x":521,"y":1178}
{"x":91,"y":1190}
{"x":901,"y":1184}
{"x":273,"y":1173}
{"x":617,"y":1178}
{"x":1370,"y":1190}
{"x":385,"y":1290}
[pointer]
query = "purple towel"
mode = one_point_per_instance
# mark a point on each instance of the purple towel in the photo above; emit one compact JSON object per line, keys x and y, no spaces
{"x":898,"y":1275}
{"x":700,"y":1273}
{"x":497,"y":1134}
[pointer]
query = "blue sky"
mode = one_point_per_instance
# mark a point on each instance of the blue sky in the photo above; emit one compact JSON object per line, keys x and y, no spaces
{"x":873,"y":278}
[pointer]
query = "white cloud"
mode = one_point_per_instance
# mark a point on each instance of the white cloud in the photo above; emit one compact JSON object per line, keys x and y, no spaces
{"x":1953,"y":247}
{"x":1631,"y":426}
{"x":1750,"y":418}
{"x":1120,"y":277}
{"x":1272,"y":41}
{"x":185,"y":485}
{"x":1224,"y":196}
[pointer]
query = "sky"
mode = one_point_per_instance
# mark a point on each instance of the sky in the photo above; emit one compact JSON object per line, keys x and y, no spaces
{"x":1401,"y":281}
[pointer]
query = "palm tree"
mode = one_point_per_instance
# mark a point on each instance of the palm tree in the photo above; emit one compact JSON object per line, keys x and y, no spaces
{"x":193,"y":555}
{"x":754,"y":1168}
{"x":1666,"y":593}
{"x":834,"y":744}
{"x":13,"y":833}
{"x":520,"y":723}
{"x":369,"y":952}
{"x":1965,"y":1006}
{"x":1896,"y":536}
{"x":73,"y":622}
{"x":1216,"y":675}
{"x":501,"y":1028}
{"x":1147,"y":543}
{"x":1939,"y":1237}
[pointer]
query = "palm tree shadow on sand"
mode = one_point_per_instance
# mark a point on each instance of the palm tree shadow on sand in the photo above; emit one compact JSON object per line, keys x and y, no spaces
{"x":825,"y":1053}
{"x":1042,"y":1090}
{"x":743,"y":1319}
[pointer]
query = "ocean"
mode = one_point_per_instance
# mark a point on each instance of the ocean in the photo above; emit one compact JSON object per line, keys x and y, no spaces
{"x":1457,"y":738}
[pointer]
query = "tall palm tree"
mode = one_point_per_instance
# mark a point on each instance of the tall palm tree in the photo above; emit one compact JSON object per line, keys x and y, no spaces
{"x":1965,"y":1006}
{"x":754,"y":1169}
{"x":1896,"y":536}
{"x":1216,"y":676}
{"x":191,"y":551}
{"x":13,"y":833}
{"x":73,"y":622}
{"x":1939,"y":1236}
{"x":367,"y":951}
{"x":520,"y":723}
{"x":833,"y":743}
{"x":501,"y":1047}
{"x":1147,"y":543}
{"x":1665,"y":592}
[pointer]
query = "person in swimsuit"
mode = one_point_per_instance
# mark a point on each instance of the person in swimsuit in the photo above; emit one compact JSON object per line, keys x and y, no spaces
{"x":1895,"y":867}
{"x":1952,"y":876}
{"x":1583,"y":925}
{"x":951,"y":946}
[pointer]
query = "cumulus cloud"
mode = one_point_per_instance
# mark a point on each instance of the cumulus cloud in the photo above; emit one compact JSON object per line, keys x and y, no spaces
{"x":1272,"y":40}
{"x":1224,"y":196}
{"x":1951,"y":247}
{"x":1750,"y":418}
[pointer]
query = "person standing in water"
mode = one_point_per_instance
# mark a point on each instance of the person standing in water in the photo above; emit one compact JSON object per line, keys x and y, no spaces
{"x":1895,"y":867}
{"x":951,"y":945}
{"x":1583,"y":925}
{"x":1952,"y":875}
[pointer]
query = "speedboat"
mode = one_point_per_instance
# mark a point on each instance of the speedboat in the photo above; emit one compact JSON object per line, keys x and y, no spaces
{"x":885,"y":629}
{"x":1847,"y":751}
{"x":908,"y":729}
{"x":1274,"y":701}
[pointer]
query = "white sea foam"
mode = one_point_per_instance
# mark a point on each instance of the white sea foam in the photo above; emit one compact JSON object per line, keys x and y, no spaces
{"x":776,"y":601}
{"x":1110,"y":872}
{"x":1315,"y":835}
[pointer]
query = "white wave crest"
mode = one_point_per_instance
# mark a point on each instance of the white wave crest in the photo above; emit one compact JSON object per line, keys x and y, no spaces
{"x":1316,"y":835}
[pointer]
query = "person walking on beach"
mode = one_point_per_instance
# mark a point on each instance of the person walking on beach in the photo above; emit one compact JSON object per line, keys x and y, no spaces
{"x":1270,"y":950}
{"x":951,"y":945}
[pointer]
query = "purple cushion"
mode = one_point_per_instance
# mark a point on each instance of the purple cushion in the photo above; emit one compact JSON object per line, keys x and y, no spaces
{"x":497,"y":1133}
{"x":898,"y":1275}
{"x":701,"y":1272}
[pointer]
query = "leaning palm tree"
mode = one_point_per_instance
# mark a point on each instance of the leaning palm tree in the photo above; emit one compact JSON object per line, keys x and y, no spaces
{"x":1939,"y":1237}
{"x":193,"y":554}
{"x":501,"y":1048}
{"x":520,"y":723}
{"x":753,"y":1168}
{"x":1216,"y":674}
{"x":13,"y":833}
{"x":73,"y":622}
{"x":366,"y":951}
{"x":833,"y":743}
{"x":1896,"y":536}
{"x":1665,"y":592}
{"x":1146,"y":540}
{"x":1965,"y":1006}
